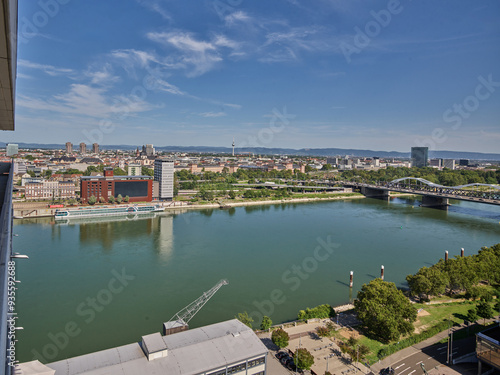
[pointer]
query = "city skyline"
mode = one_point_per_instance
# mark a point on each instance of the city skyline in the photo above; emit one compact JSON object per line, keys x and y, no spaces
{"x":384,"y":76}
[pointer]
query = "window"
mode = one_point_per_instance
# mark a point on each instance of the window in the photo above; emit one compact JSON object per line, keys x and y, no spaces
{"x":237,"y":368}
{"x":256,"y":362}
{"x":220,"y":372}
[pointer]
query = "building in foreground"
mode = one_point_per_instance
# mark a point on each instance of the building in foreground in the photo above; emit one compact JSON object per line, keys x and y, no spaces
{"x":137,"y":188}
{"x":419,"y":156}
{"x":488,"y":348}
{"x":164,"y":175}
{"x":228,"y":347}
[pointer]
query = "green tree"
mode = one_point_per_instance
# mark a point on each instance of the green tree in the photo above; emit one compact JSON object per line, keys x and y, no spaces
{"x":303,"y":359}
{"x":111,"y":199}
{"x":102,"y":200}
{"x":92,"y":200}
{"x":47,"y":173}
{"x":245,"y":318}
{"x":280,"y":338}
{"x":484,"y":310}
{"x":384,"y":310}
{"x":266,"y":323}
{"x":472,"y":315}
{"x":72,"y":201}
{"x":119,"y":172}
{"x":232,"y":194}
{"x":126,"y":198}
{"x":145,"y":171}
{"x":119,"y":198}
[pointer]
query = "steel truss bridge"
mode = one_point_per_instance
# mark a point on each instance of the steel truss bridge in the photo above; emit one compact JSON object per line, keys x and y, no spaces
{"x":433,"y":194}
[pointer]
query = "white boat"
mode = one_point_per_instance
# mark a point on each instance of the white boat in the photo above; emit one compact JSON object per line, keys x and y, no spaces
{"x":69,"y":213}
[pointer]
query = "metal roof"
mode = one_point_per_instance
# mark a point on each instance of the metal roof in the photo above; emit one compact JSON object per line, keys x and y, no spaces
{"x":190,"y":352}
{"x":8,"y":58}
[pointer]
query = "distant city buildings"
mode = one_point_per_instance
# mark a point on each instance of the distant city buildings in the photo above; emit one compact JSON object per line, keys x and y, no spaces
{"x":83,"y":148}
{"x":150,"y":150}
{"x":134,"y":169}
{"x":419,"y":156}
{"x":12,"y":149}
{"x":45,"y":190}
{"x":95,"y":148}
{"x":69,"y":147}
{"x":164,"y":175}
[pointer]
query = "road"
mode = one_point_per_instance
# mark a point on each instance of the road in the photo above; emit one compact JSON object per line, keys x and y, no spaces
{"x":432,"y":356}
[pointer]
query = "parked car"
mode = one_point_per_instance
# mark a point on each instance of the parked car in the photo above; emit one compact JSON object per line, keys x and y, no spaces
{"x":280,"y":355}
{"x":387,"y":371}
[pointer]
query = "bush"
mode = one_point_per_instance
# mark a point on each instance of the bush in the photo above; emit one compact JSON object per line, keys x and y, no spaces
{"x":412,"y":340}
{"x":321,"y":312}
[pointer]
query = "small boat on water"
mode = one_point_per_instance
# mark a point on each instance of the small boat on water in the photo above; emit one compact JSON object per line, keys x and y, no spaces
{"x":68,"y":213}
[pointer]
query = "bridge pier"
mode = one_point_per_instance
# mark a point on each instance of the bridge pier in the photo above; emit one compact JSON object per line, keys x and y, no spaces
{"x":430,"y":201}
{"x":375,"y":193}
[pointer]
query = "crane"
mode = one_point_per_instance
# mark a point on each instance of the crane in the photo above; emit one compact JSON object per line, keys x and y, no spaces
{"x":180,"y":321}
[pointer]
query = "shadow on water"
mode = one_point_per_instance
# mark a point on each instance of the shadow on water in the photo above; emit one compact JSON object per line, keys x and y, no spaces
{"x":370,"y":275}
{"x":342,"y":283}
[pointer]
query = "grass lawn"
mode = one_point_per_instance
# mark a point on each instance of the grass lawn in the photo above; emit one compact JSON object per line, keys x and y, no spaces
{"x":457,"y":312}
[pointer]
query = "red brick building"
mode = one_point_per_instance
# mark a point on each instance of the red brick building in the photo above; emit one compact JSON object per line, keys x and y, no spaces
{"x":138,"y":188}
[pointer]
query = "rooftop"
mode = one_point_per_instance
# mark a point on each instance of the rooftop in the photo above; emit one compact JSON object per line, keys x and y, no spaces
{"x":190,"y":352}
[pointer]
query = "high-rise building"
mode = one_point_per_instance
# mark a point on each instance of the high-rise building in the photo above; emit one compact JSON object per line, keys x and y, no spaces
{"x":69,"y":147}
{"x":464,"y":162}
{"x":83,"y":148}
{"x":95,"y":148}
{"x":164,"y":174}
{"x":449,"y":163}
{"x":12,"y":149}
{"x":150,"y":150}
{"x":419,"y":156}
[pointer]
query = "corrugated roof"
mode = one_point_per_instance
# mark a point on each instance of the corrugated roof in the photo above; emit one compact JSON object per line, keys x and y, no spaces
{"x":190,"y":352}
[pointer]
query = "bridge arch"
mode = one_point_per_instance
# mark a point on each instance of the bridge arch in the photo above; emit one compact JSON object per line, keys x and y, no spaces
{"x":432,"y":184}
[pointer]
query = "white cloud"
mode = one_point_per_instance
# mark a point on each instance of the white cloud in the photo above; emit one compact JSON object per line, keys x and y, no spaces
{"x":47,"y":69}
{"x":156,"y":6}
{"x":197,"y":56}
{"x":87,"y":101}
{"x":102,"y":76}
{"x":212,"y":114}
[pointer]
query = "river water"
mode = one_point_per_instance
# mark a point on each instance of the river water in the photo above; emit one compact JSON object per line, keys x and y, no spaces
{"x":89,"y":286}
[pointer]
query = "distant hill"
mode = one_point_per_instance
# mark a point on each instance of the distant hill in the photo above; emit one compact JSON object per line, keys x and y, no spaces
{"x":286,"y":151}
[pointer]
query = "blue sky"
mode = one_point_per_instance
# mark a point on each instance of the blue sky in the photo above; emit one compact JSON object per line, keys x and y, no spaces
{"x":382,"y":75}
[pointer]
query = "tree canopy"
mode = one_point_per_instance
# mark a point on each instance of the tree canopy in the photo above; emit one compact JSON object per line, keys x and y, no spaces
{"x":245,"y":318}
{"x":458,"y":274}
{"x":384,"y":310}
{"x":280,"y":338}
{"x":303,"y":359}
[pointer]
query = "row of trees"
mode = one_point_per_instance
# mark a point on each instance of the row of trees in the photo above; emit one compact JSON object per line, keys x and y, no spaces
{"x":458,"y":274}
{"x":119,"y":199}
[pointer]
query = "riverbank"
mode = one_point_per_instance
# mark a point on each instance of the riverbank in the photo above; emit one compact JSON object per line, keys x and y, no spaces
{"x":265,"y":202}
{"x":40,"y":209}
